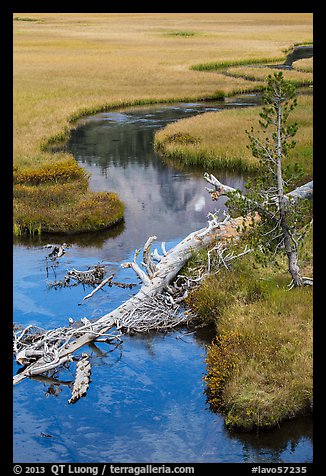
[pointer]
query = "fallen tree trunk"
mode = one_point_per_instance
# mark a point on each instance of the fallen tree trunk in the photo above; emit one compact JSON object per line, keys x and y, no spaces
{"x":154,"y":281}
{"x":160,"y":276}
{"x":303,"y":192}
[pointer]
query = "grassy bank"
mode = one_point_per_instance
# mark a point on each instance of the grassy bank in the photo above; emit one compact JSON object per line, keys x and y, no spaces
{"x":223,"y":65}
{"x":64,"y":208}
{"x":299,"y":76}
{"x":69,"y":65}
{"x":259,"y":366}
{"x":305,"y":65}
{"x":218,"y":139}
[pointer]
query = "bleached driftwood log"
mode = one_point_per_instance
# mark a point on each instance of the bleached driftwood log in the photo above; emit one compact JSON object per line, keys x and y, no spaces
{"x":300,"y":193}
{"x":70,"y":340}
{"x":82,"y":380}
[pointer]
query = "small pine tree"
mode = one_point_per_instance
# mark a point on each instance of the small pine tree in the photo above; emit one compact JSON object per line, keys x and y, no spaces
{"x":280,"y":219}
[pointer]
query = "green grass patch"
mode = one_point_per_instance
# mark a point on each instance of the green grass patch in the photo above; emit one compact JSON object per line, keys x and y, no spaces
{"x":29,"y":19}
{"x":58,"y":172}
{"x":259,"y":366}
{"x":304,"y":43}
{"x":182,"y":33}
{"x":64,"y":209}
{"x":218,"y":65}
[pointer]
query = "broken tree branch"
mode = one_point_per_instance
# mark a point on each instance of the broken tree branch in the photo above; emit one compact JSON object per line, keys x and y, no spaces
{"x":147,"y":260}
{"x":140,"y":273}
{"x":103,"y":283}
{"x":155,"y":305}
{"x":303,"y":192}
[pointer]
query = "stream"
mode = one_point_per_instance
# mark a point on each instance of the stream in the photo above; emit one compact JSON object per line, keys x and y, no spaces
{"x":146,"y":402}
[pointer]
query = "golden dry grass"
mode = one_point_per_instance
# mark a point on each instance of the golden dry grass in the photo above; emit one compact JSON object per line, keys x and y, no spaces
{"x":66,"y":64}
{"x":259,"y":366}
{"x":273,"y":380}
{"x":216,"y":139}
{"x":305,"y":65}
{"x":300,"y":77}
{"x":71,"y":61}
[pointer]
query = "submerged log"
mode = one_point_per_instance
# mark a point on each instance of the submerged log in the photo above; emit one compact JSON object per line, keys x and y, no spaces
{"x":82,"y":380}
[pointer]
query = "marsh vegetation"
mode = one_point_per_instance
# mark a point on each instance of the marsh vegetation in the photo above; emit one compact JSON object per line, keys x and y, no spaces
{"x":205,"y":140}
{"x":259,"y":366}
{"x":66,"y":66}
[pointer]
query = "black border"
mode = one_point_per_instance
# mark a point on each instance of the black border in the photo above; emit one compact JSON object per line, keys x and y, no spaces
{"x":6,"y":32}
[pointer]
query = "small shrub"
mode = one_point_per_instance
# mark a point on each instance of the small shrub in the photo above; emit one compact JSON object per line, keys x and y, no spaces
{"x":209,"y":300}
{"x":221,"y":362}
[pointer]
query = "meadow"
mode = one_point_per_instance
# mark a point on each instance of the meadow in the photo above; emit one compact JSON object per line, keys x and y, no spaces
{"x":69,"y":65}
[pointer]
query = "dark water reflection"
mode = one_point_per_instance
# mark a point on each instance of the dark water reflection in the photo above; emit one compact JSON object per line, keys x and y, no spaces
{"x":161,"y":199}
{"x":291,"y":438}
{"x":299,"y":52}
{"x":146,"y":402}
{"x":117,"y":150}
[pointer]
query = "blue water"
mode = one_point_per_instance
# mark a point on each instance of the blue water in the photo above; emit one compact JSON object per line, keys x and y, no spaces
{"x":146,"y":401}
